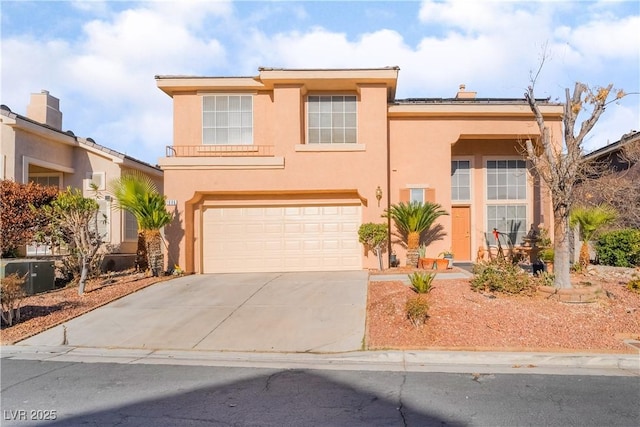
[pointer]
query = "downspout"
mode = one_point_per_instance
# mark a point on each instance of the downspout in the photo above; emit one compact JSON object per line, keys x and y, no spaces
{"x":389,"y":251}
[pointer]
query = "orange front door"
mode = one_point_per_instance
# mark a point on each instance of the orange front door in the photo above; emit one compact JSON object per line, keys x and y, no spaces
{"x":461,"y":233}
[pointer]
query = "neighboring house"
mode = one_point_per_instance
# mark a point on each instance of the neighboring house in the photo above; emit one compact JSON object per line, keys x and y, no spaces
{"x":613,"y":154}
{"x":615,"y":178}
{"x":276,"y":172}
{"x":34,"y":148}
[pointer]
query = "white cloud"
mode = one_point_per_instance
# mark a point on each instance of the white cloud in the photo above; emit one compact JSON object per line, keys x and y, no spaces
{"x":613,"y":38}
{"x":104,"y":78}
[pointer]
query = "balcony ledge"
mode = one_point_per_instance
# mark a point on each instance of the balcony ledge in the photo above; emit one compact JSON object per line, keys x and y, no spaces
{"x":168,"y":163}
{"x":330,"y":147}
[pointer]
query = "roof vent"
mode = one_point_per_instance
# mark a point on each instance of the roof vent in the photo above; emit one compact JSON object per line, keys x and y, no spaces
{"x":463,"y":94}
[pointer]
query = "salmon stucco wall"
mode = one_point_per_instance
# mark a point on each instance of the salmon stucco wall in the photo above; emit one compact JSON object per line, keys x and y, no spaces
{"x":303,"y":171}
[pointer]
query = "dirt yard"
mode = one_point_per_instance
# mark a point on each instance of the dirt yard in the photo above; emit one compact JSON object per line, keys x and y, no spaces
{"x":462,"y":319}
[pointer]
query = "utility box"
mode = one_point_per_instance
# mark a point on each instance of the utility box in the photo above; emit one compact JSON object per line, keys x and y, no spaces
{"x":40,"y":274}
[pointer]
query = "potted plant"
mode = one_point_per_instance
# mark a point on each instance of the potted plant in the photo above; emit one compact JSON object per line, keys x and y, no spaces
{"x":411,"y":220}
{"x":546,"y":256}
{"x":423,"y":261}
{"x":442,"y":263}
{"x":448,"y":255}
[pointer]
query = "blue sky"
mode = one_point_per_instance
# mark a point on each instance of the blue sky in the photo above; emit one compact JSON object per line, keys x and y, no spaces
{"x":100,"y":58}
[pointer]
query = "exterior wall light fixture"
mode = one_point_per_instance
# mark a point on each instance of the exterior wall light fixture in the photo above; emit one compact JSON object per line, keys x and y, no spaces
{"x":379,"y":194}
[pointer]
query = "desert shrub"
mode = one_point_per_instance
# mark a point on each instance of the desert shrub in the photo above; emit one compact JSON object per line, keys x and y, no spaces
{"x":500,"y":275}
{"x":417,"y":309}
{"x":421,"y":281}
{"x":11,"y":294}
{"x":634,"y":285}
{"x":546,"y":279}
{"x":619,"y":248}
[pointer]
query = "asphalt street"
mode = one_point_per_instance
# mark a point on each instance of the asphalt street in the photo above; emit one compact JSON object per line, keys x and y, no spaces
{"x":38,"y":392}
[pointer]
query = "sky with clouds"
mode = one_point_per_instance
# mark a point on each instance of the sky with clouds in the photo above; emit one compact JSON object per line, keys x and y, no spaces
{"x":100,"y":57}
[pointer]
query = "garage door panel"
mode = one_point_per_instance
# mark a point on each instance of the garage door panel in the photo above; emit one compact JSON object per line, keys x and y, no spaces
{"x":281,"y":238}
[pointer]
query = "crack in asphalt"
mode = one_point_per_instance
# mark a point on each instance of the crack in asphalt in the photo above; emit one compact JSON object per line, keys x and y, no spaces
{"x":400,"y":402}
{"x":66,"y":365}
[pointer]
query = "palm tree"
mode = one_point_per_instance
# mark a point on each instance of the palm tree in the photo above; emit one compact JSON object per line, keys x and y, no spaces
{"x":411,"y":220}
{"x":136,"y":193}
{"x":591,"y":220}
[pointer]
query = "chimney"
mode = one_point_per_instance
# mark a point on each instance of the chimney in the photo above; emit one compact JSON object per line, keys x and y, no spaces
{"x":463,"y":94}
{"x":45,"y":109}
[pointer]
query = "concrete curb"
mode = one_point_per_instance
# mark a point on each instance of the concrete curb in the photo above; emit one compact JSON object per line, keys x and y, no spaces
{"x":396,"y":360}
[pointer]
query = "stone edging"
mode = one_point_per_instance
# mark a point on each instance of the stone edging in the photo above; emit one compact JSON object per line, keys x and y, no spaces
{"x":573,"y":295}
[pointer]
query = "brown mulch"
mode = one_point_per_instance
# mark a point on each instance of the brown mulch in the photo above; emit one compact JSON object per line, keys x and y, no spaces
{"x":46,"y":310}
{"x":462,"y":319}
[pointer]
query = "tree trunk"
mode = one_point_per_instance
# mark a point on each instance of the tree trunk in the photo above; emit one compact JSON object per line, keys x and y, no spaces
{"x":83,"y":275}
{"x":142,"y":263}
{"x":154,"y":252}
{"x":412,"y":257}
{"x":379,"y":255}
{"x":413,"y":240}
{"x":561,"y":259}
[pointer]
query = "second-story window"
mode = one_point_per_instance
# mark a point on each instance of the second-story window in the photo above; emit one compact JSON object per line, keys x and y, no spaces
{"x":227,"y":119}
{"x":332,"y":119}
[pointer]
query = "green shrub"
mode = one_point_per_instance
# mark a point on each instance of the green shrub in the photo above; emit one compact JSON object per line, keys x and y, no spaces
{"x":417,"y":310}
{"x":546,"y":254}
{"x":634,"y":285}
{"x":421,"y":281}
{"x":500,"y":275}
{"x":619,"y":248}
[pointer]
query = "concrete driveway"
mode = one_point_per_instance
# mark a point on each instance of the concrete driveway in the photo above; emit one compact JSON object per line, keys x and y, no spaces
{"x":280,"y":312}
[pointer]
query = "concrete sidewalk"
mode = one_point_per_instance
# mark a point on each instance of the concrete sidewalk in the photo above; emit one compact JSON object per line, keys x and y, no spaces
{"x":272,"y":312}
{"x":395,"y":360}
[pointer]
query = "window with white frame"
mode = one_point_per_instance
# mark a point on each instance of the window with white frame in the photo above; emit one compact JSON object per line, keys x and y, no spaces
{"x":47,"y":179}
{"x":416,"y":195}
{"x":332,"y":119}
{"x":460,"y":180}
{"x":130,"y":227}
{"x":227,"y":119}
{"x":506,"y":180}
{"x":507,"y":200}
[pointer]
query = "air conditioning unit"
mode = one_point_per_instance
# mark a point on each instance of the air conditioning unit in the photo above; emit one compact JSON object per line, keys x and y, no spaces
{"x":40,"y":274}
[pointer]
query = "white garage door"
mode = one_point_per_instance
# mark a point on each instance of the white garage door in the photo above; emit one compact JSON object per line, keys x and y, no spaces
{"x":281,"y":238}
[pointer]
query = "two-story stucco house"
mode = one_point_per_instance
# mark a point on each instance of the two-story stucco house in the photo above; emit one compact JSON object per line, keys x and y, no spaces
{"x":35,"y":148}
{"x":276,"y":172}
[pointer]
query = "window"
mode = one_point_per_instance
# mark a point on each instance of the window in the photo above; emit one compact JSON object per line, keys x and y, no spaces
{"x":506,"y":180}
{"x":460,"y":180}
{"x":48,"y":180}
{"x":510,"y":220}
{"x":130,"y":226}
{"x":97,"y":178}
{"x":507,"y":189}
{"x":420,"y":193}
{"x":227,"y":119}
{"x":416,"y":195}
{"x":331,"y":119}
